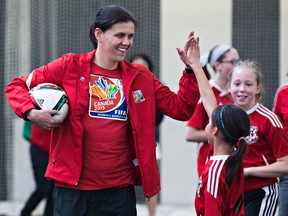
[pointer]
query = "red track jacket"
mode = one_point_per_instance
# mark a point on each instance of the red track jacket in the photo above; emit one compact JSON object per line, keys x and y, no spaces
{"x":72,"y":73}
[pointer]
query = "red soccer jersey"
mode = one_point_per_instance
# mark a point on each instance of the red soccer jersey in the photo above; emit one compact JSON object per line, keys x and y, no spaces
{"x":281,"y":104}
{"x":107,"y":159}
{"x":200,"y":119}
{"x":267,"y":142}
{"x":213,"y":196}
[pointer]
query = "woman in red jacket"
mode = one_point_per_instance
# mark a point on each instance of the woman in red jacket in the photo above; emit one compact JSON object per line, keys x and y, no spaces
{"x":107,"y":143}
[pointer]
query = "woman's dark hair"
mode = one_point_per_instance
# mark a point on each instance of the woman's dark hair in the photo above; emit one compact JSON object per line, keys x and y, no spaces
{"x":144,"y":57}
{"x":106,"y":17}
{"x":234,"y":124}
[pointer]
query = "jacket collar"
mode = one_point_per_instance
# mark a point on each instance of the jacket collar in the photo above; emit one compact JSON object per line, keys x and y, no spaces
{"x":128,"y":72}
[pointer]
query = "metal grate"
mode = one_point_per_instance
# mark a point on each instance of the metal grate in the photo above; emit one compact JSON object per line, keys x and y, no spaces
{"x":256,"y":36}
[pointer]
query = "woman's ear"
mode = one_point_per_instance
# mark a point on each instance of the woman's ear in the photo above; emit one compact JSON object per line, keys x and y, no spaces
{"x":98,"y":34}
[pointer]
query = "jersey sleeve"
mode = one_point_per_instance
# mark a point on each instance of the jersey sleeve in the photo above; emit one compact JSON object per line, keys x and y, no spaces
{"x":199,"y":119}
{"x":278,"y":139}
{"x":280,"y":107}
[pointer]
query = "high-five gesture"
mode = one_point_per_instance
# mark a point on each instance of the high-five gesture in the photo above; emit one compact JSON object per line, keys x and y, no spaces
{"x":191,"y":58}
{"x":190,"y":55}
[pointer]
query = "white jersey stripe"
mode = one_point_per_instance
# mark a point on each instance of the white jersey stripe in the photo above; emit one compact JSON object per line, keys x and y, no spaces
{"x":273,"y":115}
{"x":210,"y":174}
{"x":270,"y":115}
{"x":214,"y":176}
{"x":218,"y":177}
{"x":265,"y":160}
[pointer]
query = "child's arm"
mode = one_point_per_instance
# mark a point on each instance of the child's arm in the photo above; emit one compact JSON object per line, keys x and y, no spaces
{"x":191,"y":58}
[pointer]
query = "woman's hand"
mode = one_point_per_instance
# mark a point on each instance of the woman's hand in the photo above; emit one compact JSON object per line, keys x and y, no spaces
{"x":43,"y":118}
{"x":191,"y":58}
{"x":190,"y":55}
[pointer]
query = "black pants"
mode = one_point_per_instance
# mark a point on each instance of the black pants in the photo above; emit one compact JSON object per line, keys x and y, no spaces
{"x":105,"y":202}
{"x":44,"y":187}
{"x":261,"y":202}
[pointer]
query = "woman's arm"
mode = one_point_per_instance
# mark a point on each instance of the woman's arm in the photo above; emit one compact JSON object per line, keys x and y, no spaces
{"x":191,"y":58}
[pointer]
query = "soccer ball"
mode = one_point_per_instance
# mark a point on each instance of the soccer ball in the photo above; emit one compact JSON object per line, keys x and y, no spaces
{"x":48,"y":96}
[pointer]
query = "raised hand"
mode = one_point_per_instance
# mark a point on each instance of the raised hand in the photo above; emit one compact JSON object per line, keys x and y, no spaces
{"x":190,"y":55}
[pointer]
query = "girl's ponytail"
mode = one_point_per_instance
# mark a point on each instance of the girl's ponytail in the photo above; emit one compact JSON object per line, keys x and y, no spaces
{"x":235,"y":161}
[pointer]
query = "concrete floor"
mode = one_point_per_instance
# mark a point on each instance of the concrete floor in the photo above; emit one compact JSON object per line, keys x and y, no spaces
{"x":167,"y":210}
{"x":13,"y":209}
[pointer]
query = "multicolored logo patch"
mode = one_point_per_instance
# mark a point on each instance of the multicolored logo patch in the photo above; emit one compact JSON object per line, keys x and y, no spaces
{"x":107,"y":98}
{"x":138,"y":96}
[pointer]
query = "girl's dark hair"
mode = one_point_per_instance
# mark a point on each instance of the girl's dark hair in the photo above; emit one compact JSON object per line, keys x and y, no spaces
{"x":106,"y":17}
{"x":234,"y":124}
{"x":145,"y":58}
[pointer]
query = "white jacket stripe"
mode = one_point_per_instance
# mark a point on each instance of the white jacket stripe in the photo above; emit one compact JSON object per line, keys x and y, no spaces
{"x":28,"y":81}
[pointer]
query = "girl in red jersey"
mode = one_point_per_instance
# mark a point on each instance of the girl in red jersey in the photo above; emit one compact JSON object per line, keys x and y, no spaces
{"x":222,"y":58}
{"x":220,"y":187}
{"x":280,"y":108}
{"x":266,"y":157}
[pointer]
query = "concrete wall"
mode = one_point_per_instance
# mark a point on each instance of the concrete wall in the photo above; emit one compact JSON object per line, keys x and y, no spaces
{"x":212,"y":22}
